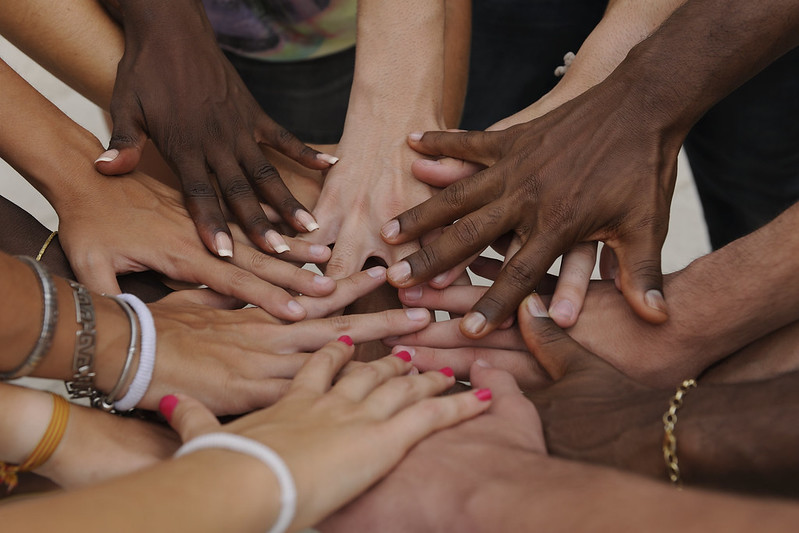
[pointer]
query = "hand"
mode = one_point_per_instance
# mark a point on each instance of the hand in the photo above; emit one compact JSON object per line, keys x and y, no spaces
{"x":338,"y":441}
{"x":175,"y":86}
{"x":433,"y":487}
{"x":145,"y":226}
{"x":235,"y":361}
{"x":541,"y":176}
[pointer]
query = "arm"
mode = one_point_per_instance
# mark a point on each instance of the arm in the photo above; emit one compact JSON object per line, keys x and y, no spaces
{"x":633,"y":123}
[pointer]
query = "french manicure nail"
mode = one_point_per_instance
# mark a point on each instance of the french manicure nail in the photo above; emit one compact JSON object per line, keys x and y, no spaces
{"x":447,"y":371}
{"x":405,"y":356}
{"x":413,"y":293}
{"x":483,"y":394}
{"x":563,"y":309}
{"x":276,"y":241}
{"x":390,"y":229}
{"x":417,"y":314}
{"x":377,"y":272}
{"x":346,"y":339}
{"x":400,"y":272}
{"x":224,"y":244}
{"x":654,"y":299}
{"x":167,"y":406}
{"x":536,"y":307}
{"x":107,"y":156}
{"x":307,"y":220}
{"x":415,"y":136}
{"x":294,"y":307}
{"x":327,"y":158}
{"x":473,"y":322}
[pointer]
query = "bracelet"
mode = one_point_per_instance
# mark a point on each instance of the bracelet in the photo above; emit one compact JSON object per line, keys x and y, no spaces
{"x":237,"y":443}
{"x":82,"y":383}
{"x":669,"y":440}
{"x":106,"y":402}
{"x":47,"y":445}
{"x":45,"y":245}
{"x":49,"y":320}
{"x":144,"y":374}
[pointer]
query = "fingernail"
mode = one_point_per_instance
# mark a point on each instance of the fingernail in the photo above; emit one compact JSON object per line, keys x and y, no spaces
{"x":563,"y":309}
{"x":440,"y":279}
{"x":400,"y":273}
{"x":224,"y":244}
{"x":429,"y":162}
{"x":107,"y":156}
{"x":323,"y":282}
{"x":327,"y":158}
{"x":408,"y":349}
{"x":295,"y":308}
{"x":377,"y":272}
{"x":473,"y":323}
{"x":536,"y":307}
{"x":413,"y":371}
{"x":307,"y":220}
{"x":276,"y":241}
{"x":390,"y":229}
{"x":654,"y":299}
{"x":319,"y":250}
{"x":167,"y":406}
{"x":483,"y":363}
{"x":483,"y":394}
{"x":405,"y":356}
{"x":412,"y":294}
{"x":447,"y":371}
{"x":346,"y":339}
{"x":415,"y":136}
{"x":417,"y":314}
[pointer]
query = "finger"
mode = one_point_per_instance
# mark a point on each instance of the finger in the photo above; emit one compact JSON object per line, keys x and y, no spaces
{"x":486,"y":267}
{"x":279,"y":272}
{"x":455,"y":299}
{"x":187,"y":416}
{"x":127,"y":140}
{"x":305,"y":251}
{"x":516,"y":280}
{"x":97,"y":274}
{"x":346,"y":259}
{"x":400,"y":392}
{"x":454,"y":202}
{"x":346,"y":291}
{"x":361,"y":381}
{"x":204,"y":297}
{"x":447,"y":334}
{"x":575,"y":274}
{"x":203,"y":206}
{"x":557,"y":353}
{"x":316,"y":375}
{"x":274,"y":135}
{"x":310,"y":334}
{"x":477,"y":146}
{"x":443,"y":172}
{"x":641,"y":278}
{"x":608,"y":263}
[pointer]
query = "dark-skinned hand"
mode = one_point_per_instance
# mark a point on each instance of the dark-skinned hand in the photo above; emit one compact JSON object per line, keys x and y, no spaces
{"x":593,"y":169}
{"x":175,"y":86}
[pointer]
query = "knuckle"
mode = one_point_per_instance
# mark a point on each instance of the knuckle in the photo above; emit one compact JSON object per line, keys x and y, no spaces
{"x":340,"y":323}
{"x":265,"y":175}
{"x":467,"y":231}
{"x":238,"y":278}
{"x":520,"y":275}
{"x":237,"y":187}
{"x":198,"y":189}
{"x":455,"y":195}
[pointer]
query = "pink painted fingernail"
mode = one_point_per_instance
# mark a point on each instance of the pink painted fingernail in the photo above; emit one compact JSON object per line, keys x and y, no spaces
{"x":483,"y":394}
{"x":346,"y":339}
{"x":415,"y":136}
{"x":405,"y":356}
{"x":390,"y":229}
{"x":107,"y":156}
{"x":276,"y":241}
{"x":307,"y":220}
{"x":400,"y":273}
{"x":447,"y":371}
{"x":474,"y":323}
{"x":327,"y":158}
{"x":413,"y":293}
{"x":167,"y":406}
{"x":224,"y":244}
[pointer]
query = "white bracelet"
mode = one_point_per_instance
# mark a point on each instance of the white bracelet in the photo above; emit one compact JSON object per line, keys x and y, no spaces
{"x":144,"y":374}
{"x":253,"y":448}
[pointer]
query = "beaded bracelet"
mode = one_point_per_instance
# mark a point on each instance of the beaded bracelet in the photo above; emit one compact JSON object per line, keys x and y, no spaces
{"x":106,"y":402}
{"x":49,"y":321}
{"x":47,"y":445}
{"x":82,"y":383}
{"x":253,"y":448}
{"x":669,"y":440}
{"x":144,"y":374}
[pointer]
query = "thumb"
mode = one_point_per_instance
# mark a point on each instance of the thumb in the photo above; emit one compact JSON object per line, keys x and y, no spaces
{"x":187,"y":416}
{"x":127,"y":143}
{"x":478,"y":146}
{"x":558,"y":353}
{"x":98,"y":276}
{"x":641,"y":278}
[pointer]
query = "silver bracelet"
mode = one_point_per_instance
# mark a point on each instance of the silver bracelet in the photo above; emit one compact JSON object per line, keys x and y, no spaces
{"x":106,"y":402}
{"x":49,"y":321}
{"x":82,"y":383}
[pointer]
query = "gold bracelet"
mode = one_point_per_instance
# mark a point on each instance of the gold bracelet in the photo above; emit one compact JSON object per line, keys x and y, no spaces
{"x":669,"y":440}
{"x":47,"y":445}
{"x":45,"y":245}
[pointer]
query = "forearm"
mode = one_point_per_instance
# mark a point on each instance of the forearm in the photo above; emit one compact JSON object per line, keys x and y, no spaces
{"x":457,"y":43}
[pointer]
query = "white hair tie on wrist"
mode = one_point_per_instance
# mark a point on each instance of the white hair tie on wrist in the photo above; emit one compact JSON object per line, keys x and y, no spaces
{"x":144,"y":374}
{"x":262,"y":452}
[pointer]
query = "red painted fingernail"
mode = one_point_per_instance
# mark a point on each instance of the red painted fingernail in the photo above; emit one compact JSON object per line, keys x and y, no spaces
{"x":483,"y":394}
{"x":167,"y":406}
{"x":346,"y":339}
{"x":405,"y":356}
{"x":447,"y":371}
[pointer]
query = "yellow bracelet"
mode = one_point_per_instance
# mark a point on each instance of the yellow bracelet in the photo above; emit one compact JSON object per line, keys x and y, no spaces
{"x":45,"y":245}
{"x":669,"y":440}
{"x":47,"y":445}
